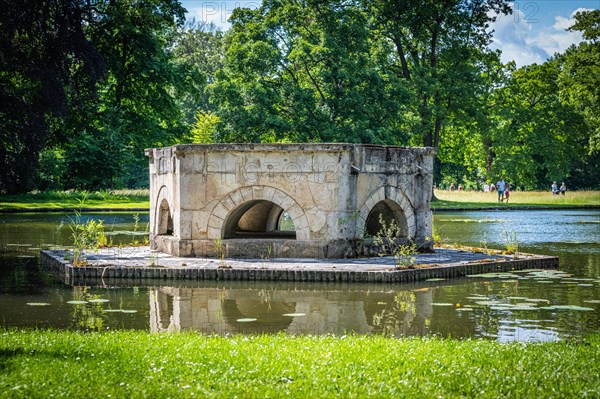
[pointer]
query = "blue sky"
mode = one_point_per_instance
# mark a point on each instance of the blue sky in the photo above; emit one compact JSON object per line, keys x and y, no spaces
{"x":534,"y":32}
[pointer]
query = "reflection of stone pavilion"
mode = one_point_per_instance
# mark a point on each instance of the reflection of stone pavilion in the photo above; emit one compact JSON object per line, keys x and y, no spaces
{"x":288,"y":200}
{"x":212,"y":310}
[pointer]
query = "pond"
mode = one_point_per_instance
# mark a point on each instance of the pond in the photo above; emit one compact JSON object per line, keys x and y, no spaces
{"x":524,"y":306}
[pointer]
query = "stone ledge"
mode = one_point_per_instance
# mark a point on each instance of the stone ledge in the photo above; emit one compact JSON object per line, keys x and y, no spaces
{"x":141,"y":264}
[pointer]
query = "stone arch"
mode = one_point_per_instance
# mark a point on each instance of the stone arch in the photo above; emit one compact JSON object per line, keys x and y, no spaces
{"x":163,"y":224}
{"x":256,"y":219}
{"x":236,"y":203}
{"x":395,"y":201}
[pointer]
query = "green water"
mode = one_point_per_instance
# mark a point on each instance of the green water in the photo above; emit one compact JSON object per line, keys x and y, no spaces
{"x":521,"y":306}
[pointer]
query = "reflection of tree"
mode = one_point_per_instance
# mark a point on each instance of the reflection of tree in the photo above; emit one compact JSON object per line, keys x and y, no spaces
{"x":399,"y":319}
{"x":87,"y":316}
{"x":20,"y":275}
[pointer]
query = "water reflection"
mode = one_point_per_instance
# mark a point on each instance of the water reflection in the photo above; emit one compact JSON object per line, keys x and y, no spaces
{"x":559,"y":306}
{"x":460,"y":309}
{"x":215,"y":310}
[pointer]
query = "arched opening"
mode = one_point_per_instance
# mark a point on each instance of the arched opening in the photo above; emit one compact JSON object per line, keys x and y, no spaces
{"x":165,"y":221}
{"x":259,"y":219}
{"x":389,"y":211}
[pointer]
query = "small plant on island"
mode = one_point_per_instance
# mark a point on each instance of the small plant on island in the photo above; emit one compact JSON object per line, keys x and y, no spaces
{"x":86,"y":236}
{"x":136,"y":227}
{"x":153,"y":261}
{"x":389,"y":240}
{"x":436,"y":235}
{"x":220,"y":251}
{"x":511,"y":243}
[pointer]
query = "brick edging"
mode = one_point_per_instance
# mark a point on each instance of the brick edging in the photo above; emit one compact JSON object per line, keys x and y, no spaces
{"x":54,"y":261}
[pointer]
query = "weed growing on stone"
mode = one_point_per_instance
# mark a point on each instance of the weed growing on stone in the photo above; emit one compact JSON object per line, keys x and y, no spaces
{"x":511,"y":243}
{"x":484,"y":246}
{"x":436,"y":235}
{"x":153,"y":261}
{"x":220,"y":251}
{"x":86,"y":236}
{"x":389,"y":240}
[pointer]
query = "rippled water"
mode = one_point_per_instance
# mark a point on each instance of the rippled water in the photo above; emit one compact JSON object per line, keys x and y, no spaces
{"x":528,"y":306}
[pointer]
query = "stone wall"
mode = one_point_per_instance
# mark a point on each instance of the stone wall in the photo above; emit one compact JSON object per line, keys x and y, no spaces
{"x":233,"y":199}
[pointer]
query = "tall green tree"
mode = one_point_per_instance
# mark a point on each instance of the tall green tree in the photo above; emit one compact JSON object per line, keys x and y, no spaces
{"x":307,"y":71}
{"x":580,"y":75}
{"x":579,"y":85}
{"x":389,"y":71}
{"x":136,"y":107}
{"x":199,"y":50}
{"x":102,"y":145}
{"x":439,"y":47}
{"x":48,"y":68}
{"x":466,"y":152}
{"x":538,"y":138}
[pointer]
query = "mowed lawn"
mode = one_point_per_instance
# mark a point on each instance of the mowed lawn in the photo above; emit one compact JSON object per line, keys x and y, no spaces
{"x":139,"y":199}
{"x":117,"y":199}
{"x":541,"y":199}
{"x":137,"y":364}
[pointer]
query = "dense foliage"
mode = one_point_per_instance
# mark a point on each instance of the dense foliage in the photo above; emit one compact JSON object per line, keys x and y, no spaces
{"x":86,"y":86}
{"x":47,"y":68}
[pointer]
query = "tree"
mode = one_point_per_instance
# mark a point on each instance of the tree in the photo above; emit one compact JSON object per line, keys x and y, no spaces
{"x":136,"y":107}
{"x":580,"y":75}
{"x":103,"y":143}
{"x":307,"y":71}
{"x":48,"y":67}
{"x":466,"y":152}
{"x":539,"y":138}
{"x":199,"y":50}
{"x":439,"y":48}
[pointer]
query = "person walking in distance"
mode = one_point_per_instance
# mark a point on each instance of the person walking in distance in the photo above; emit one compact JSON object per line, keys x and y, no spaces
{"x":500,"y":186}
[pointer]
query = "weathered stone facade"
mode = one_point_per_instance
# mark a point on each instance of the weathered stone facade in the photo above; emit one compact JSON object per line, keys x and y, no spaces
{"x":285,"y":200}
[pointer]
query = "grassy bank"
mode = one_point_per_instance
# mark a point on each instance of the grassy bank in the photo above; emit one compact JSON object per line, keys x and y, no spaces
{"x":117,"y":199}
{"x":533,"y":199}
{"x":136,"y":199}
{"x":42,"y":364}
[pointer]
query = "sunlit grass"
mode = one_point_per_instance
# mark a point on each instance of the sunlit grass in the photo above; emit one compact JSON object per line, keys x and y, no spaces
{"x":475,"y":199}
{"x":125,"y":199}
{"x":129,"y":364}
{"x":114,"y":199}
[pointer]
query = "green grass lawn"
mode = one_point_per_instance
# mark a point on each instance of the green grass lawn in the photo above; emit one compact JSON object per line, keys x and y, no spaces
{"x":128,"y":199}
{"x":118,"y":199}
{"x":130,"y":364}
{"x":533,"y":199}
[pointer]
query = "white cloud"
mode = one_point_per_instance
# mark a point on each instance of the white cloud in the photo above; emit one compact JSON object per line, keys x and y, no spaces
{"x":562,"y":23}
{"x":581,"y":9}
{"x":529,"y":41}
